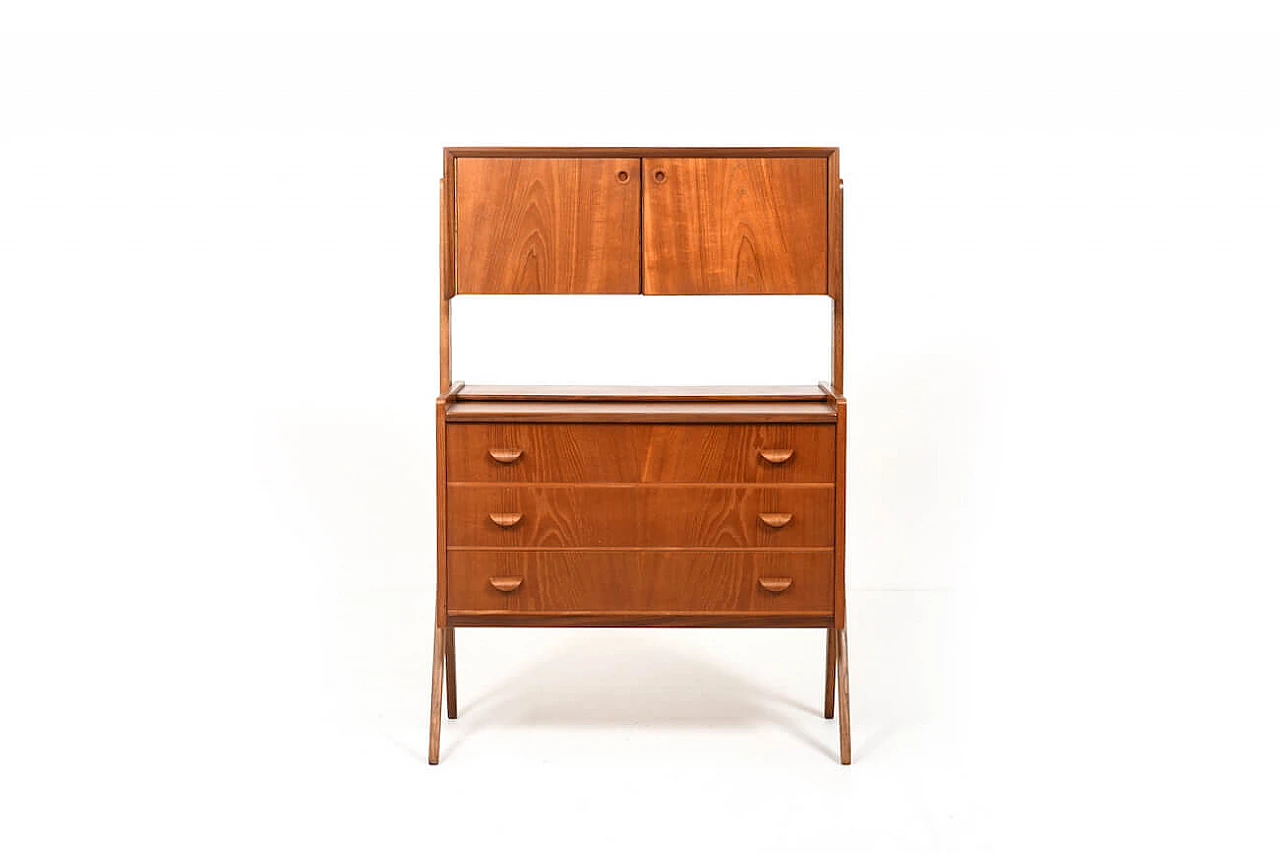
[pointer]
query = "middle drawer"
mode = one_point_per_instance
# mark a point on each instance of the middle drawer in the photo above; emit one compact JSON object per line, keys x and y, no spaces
{"x":633,"y":516}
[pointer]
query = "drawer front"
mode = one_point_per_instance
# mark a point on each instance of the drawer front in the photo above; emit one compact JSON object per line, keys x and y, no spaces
{"x":640,"y":582}
{"x":627,"y":453}
{"x":640,"y":516}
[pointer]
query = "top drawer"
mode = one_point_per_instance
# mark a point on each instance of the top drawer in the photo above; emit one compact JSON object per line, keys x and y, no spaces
{"x":632,"y":453}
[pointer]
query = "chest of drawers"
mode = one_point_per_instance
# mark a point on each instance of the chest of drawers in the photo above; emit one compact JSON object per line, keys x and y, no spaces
{"x":654,"y":507}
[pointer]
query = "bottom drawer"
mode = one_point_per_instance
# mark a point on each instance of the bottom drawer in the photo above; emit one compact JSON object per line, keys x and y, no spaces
{"x":640,"y":582}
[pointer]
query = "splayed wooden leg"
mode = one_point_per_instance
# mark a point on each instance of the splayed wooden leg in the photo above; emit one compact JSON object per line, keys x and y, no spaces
{"x":842,"y":671}
{"x":437,"y":678}
{"x":450,"y":675}
{"x":829,"y":704}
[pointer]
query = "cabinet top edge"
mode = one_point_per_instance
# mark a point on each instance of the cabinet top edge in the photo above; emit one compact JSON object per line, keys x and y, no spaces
{"x":618,"y":393}
{"x":759,"y":411}
{"x":552,"y":152}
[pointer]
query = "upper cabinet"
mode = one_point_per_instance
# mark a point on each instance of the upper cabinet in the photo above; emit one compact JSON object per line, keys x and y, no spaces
{"x":721,"y":225}
{"x":548,"y":226}
{"x":563,"y":221}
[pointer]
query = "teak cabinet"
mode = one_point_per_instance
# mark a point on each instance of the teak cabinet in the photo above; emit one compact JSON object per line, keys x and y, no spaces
{"x":572,"y":225}
{"x":625,"y":506}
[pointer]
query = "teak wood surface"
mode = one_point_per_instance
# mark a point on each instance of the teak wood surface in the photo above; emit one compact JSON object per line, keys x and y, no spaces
{"x":638,"y":516}
{"x":715,"y":221}
{"x":735,"y":226}
{"x":550,"y":411}
{"x":519,"y":452}
{"x":606,"y":582}
{"x":650,"y":506}
{"x":669,"y":393}
{"x":548,"y":226}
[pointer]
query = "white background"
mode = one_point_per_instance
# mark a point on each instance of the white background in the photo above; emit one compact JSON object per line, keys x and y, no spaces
{"x":217,"y":346}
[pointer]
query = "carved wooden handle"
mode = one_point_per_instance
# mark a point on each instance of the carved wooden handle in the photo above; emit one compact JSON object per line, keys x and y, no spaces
{"x":507,"y":583}
{"x":775,"y":585}
{"x":779,"y":456}
{"x":506,"y":456}
{"x":505,"y":520}
{"x":775,"y":520}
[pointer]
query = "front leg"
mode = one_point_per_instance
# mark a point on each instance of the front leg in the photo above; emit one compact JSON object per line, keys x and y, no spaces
{"x":437,"y":678}
{"x":842,"y":671}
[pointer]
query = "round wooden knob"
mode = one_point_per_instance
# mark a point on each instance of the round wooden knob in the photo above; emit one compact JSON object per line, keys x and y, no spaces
{"x":659,"y":176}
{"x":623,"y":176}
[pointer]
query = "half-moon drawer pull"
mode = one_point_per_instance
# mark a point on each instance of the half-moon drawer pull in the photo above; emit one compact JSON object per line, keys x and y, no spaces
{"x":507,"y":583}
{"x":775,"y":585}
{"x":778,"y":456}
{"x":505,"y":520}
{"x":506,"y":456}
{"x":775,"y":520}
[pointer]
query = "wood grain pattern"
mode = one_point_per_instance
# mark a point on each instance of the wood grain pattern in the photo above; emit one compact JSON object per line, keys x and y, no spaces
{"x":437,"y":680}
{"x":543,"y":226}
{"x":639,"y":516}
{"x":835,"y":251}
{"x":446,"y":315}
{"x":735,"y":226}
{"x":449,"y":230}
{"x":450,"y":674}
{"x":842,"y":672}
{"x":630,"y":453}
{"x":647,"y":506}
{"x":675,"y":393}
{"x":838,"y":521}
{"x":643,"y":412}
{"x":829,"y":698}
{"x":441,"y":507}
{"x":640,"y":581}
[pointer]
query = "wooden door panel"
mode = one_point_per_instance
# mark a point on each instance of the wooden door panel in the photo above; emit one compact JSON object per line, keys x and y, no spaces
{"x":548,"y":226}
{"x":721,"y":225}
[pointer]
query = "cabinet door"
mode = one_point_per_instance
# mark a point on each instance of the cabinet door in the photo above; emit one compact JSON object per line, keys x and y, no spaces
{"x":548,"y":226}
{"x":735,"y":225}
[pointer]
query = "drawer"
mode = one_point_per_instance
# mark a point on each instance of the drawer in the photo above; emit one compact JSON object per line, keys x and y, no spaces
{"x":631,"y":516}
{"x":631,"y":453}
{"x":640,"y":582}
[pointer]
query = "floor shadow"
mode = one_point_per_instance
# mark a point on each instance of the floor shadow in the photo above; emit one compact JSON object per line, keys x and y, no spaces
{"x":612,"y":685}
